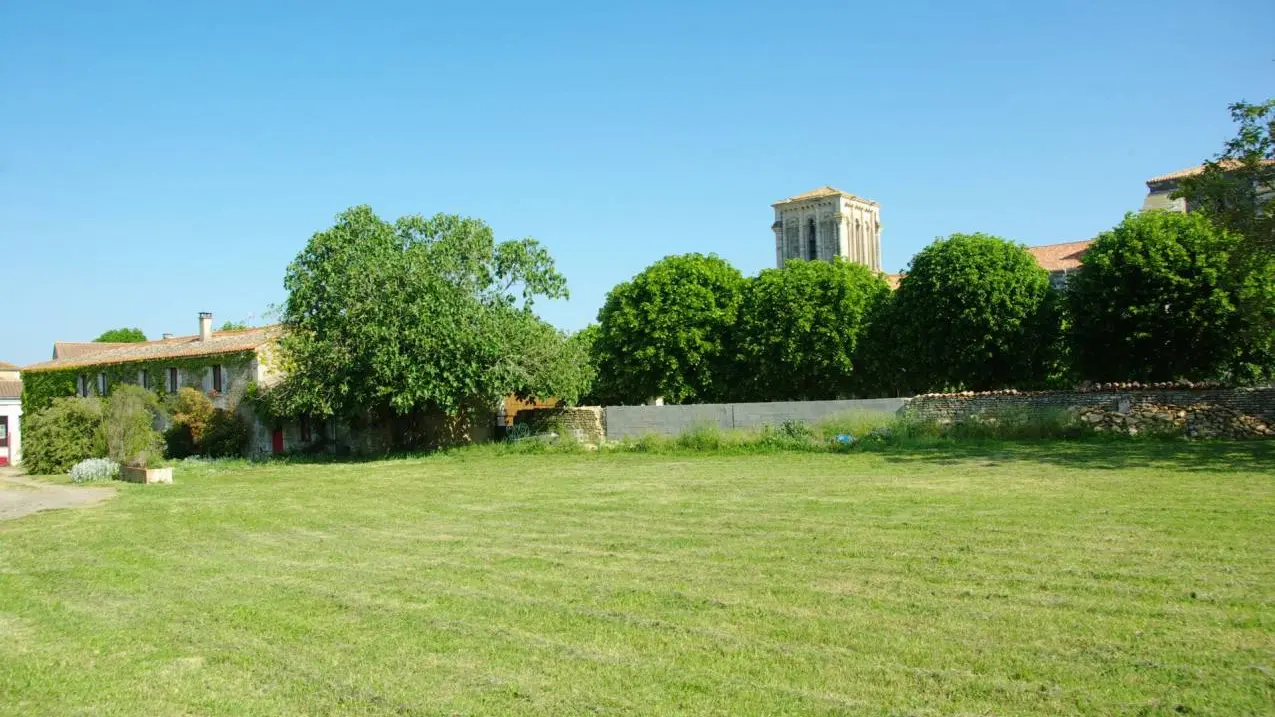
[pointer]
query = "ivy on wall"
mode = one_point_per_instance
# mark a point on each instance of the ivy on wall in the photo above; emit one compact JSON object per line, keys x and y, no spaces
{"x":39,"y":388}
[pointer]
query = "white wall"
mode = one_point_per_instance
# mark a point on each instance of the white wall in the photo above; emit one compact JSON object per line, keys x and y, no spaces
{"x":13,"y":409}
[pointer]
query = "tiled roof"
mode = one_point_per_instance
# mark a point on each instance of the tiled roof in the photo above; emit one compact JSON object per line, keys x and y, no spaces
{"x":1197,"y":169}
{"x":1051,"y":257}
{"x":1060,"y":257}
{"x":822,"y":192}
{"x":72,"y":349}
{"x":6,"y":366}
{"x":222,"y":342}
{"x":10,"y":389}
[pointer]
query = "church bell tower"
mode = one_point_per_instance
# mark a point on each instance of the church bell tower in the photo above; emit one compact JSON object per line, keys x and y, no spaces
{"x":827,"y":223}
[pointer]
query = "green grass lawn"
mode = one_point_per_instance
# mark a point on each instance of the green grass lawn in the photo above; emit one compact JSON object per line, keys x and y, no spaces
{"x":1049,"y":578}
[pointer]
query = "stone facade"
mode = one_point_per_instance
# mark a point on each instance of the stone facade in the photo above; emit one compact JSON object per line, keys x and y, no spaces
{"x":585,"y":423}
{"x":1258,"y":403}
{"x":828,"y":223}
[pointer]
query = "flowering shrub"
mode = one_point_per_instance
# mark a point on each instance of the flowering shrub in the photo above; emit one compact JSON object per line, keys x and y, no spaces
{"x":94,"y":469}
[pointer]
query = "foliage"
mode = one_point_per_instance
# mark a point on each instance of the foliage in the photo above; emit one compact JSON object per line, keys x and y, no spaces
{"x":200,"y":429}
{"x":65,"y":433}
{"x":131,"y":438}
{"x":447,"y":334}
{"x":94,"y":469}
{"x":122,"y":336}
{"x":974,"y":313}
{"x":1236,"y":191}
{"x":545,"y":363}
{"x":664,"y":333}
{"x":226,"y":436}
{"x":1156,"y":301}
{"x":192,"y":410}
{"x":234,"y":326}
{"x":799,"y":327}
{"x":39,"y":388}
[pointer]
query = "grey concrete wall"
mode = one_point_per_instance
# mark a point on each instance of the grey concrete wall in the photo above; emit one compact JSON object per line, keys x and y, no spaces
{"x":634,"y":421}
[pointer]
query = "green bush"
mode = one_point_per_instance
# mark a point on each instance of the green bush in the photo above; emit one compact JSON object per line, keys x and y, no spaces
{"x":178,"y":442}
{"x":194,"y":411}
{"x":225,"y":437}
{"x":131,"y":438}
{"x":67,"y":432}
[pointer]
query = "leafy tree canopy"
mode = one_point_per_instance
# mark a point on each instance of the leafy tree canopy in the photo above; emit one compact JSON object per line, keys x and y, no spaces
{"x":122,"y":336}
{"x":1157,"y":301}
{"x":1236,"y":190}
{"x":415,"y":315}
{"x":233,"y":326}
{"x":974,"y":312}
{"x":663,"y":333}
{"x":799,"y":328}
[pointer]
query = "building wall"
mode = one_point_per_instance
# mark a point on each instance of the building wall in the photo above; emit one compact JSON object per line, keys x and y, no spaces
{"x":13,"y":409}
{"x":635,"y":421}
{"x":1158,"y":198}
{"x":844,"y":226}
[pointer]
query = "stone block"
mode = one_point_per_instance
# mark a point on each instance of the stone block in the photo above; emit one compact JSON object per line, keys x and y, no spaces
{"x":146,"y":475}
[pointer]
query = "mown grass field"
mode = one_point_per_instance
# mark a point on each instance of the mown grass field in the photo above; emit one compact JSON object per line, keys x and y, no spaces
{"x":1038,"y":578}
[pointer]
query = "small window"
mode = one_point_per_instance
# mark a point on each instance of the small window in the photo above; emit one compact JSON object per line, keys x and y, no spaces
{"x":172,"y":380}
{"x":82,"y":386}
{"x":306,"y":434}
{"x":144,"y":378}
{"x":101,"y":384}
{"x":216,"y":370}
{"x":812,"y":243}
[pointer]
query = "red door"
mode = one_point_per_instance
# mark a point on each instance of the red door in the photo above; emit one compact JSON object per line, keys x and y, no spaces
{"x":276,"y":440}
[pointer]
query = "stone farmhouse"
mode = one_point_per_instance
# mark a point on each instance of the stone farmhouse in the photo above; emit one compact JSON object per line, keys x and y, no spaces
{"x":220,"y":364}
{"x":826,"y":222}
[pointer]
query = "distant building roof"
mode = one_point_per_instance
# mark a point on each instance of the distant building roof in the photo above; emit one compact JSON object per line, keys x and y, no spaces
{"x":1060,"y":257}
{"x":10,"y":389}
{"x":822,"y":192}
{"x":1051,"y":257}
{"x":1198,"y":169}
{"x":6,"y":366}
{"x":72,"y":349}
{"x":74,"y":355}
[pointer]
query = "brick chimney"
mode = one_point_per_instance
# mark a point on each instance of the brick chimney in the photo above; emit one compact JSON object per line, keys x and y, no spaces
{"x":166,"y":336}
{"x":205,"y":325}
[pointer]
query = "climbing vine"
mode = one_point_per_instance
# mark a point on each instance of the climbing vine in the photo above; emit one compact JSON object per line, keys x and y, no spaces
{"x":40,"y":387}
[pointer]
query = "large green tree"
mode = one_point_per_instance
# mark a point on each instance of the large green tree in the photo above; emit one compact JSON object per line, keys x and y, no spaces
{"x":414,"y":316}
{"x":799,"y":328}
{"x":1157,"y":301}
{"x":1236,"y":191}
{"x":665,"y":332}
{"x":122,"y":336}
{"x":974,"y":312}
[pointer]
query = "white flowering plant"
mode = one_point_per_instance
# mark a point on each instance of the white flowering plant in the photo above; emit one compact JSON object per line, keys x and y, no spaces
{"x":94,"y":469}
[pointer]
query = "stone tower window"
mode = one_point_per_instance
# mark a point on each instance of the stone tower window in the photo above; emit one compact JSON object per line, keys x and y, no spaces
{"x":812,"y":246}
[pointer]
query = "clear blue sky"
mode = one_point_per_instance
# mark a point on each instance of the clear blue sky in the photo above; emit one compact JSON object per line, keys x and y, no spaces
{"x":159,"y":159}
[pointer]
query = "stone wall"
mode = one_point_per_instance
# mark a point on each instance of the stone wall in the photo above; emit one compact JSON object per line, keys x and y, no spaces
{"x":945,"y":408}
{"x":635,"y":421}
{"x":585,"y":423}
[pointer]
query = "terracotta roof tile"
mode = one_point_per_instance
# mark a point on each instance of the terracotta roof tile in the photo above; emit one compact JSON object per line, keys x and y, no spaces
{"x":821,"y":193}
{"x":222,"y":342}
{"x":10,"y":389}
{"x":72,"y":349}
{"x":1060,"y":257}
{"x":1197,"y":169}
{"x":6,"y":366}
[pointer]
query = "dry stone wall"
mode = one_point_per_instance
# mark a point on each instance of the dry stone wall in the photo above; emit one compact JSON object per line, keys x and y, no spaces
{"x":1194,"y":412}
{"x":585,"y":423}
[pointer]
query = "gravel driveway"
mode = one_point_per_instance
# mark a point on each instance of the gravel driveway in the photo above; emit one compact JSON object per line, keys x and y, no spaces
{"x":21,"y":496}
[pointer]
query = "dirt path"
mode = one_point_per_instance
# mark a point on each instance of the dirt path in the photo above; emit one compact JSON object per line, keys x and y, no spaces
{"x":21,"y":496}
